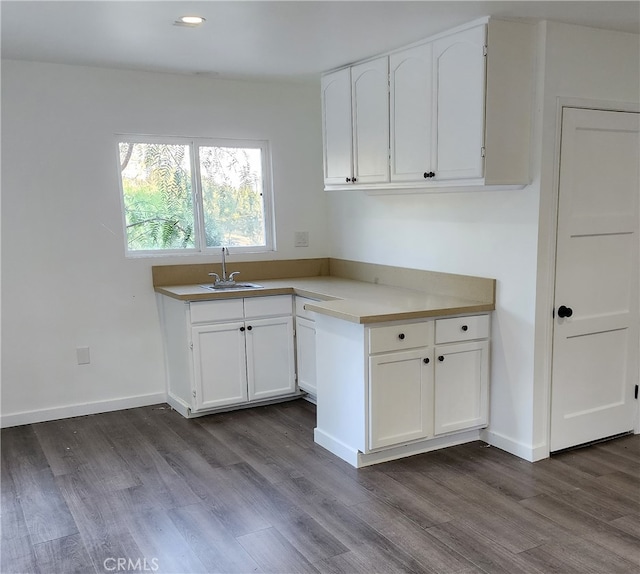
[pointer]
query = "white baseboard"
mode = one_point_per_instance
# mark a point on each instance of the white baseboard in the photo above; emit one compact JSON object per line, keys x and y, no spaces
{"x":335,"y":446}
{"x":78,"y":410}
{"x":531,"y":453}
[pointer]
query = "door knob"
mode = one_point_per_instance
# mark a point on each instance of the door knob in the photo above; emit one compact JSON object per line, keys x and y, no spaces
{"x":564,"y":311}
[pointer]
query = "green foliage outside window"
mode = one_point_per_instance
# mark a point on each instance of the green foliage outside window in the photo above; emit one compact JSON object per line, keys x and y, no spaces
{"x":157,"y":185}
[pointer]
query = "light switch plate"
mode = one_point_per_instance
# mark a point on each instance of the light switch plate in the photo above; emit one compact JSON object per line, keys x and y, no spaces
{"x":83,"y":355}
{"x":301,"y":239}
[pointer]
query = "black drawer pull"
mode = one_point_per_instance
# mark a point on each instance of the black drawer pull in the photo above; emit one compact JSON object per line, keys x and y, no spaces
{"x":249,"y":328}
{"x":464,"y":328}
{"x":401,"y":336}
{"x":441,"y":358}
{"x":425,"y":361}
{"x":241,"y":328}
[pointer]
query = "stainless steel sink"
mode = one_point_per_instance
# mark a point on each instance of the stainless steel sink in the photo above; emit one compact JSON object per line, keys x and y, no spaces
{"x":231,"y":286}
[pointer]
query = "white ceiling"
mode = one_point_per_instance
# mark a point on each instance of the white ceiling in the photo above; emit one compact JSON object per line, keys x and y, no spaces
{"x":293,"y":40}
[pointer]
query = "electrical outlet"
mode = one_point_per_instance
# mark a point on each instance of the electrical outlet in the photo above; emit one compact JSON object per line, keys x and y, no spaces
{"x":301,"y":239}
{"x":83,"y":355}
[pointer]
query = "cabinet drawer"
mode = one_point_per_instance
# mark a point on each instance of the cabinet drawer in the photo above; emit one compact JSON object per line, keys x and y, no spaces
{"x":462,"y":329}
{"x":212,"y":311}
{"x":398,"y":337}
{"x":301,"y":311}
{"x":268,"y":306}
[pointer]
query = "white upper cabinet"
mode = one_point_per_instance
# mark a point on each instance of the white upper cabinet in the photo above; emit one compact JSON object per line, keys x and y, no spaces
{"x":355,"y":104}
{"x":457,"y":113}
{"x":459,"y":64}
{"x":370,"y":93}
{"x":412,"y":109}
{"x":337,"y":127}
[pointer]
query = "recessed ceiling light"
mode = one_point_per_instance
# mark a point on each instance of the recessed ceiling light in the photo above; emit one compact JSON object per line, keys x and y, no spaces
{"x":189,"y":21}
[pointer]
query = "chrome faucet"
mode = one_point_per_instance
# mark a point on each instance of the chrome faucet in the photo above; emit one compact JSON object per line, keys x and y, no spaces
{"x":224,"y":280}
{"x":225,"y":252}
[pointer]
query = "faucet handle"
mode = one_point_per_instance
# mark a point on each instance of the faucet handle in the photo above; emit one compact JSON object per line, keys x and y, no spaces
{"x":216,"y":276}
{"x":232,"y":274}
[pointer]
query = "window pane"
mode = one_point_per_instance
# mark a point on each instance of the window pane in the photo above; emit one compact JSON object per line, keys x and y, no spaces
{"x":158,"y":203}
{"x":233,"y":206}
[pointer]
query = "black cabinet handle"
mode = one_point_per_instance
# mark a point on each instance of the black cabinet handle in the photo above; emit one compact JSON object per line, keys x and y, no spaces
{"x":564,"y":311}
{"x":249,"y":328}
{"x":464,"y":328}
{"x":348,"y":179}
{"x":429,"y":174}
{"x":441,"y":358}
{"x":401,"y":336}
{"x":425,"y":361}
{"x":241,"y":328}
{"x":354,"y":180}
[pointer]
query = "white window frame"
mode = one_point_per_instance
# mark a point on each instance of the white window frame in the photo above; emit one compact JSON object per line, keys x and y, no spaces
{"x":194,"y":144}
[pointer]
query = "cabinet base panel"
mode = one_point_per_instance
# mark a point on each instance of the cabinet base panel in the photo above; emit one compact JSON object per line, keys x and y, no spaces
{"x":359,"y":459}
{"x":185,"y":410}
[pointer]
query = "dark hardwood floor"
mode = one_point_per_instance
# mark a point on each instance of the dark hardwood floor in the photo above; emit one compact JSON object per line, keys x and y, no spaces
{"x":145,"y":490}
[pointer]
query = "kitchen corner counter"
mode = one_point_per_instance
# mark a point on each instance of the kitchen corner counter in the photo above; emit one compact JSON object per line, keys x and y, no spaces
{"x":347,"y":299}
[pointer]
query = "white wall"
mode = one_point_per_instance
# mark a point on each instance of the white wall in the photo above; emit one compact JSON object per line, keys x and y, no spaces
{"x":598,"y":67}
{"x":65,"y":280}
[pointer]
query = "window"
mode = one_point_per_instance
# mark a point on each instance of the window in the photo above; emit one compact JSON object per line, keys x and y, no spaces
{"x":187,"y":196}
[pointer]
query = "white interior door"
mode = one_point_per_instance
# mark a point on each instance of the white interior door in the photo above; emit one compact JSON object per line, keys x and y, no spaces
{"x":595,"y":342}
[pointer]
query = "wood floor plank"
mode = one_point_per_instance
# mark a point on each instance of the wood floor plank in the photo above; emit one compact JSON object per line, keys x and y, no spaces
{"x":471,"y":501}
{"x":214,"y":451}
{"x":407,"y":502}
{"x":313,"y":541}
{"x":273,"y":553}
{"x":161,"y":543}
{"x":80,"y":442}
{"x":227,"y":502}
{"x":66,"y":555}
{"x":433,"y":555}
{"x":17,"y":553}
{"x":99,"y":521}
{"x":350,"y":530}
{"x":618,"y":542}
{"x":243,"y":442}
{"x":272,"y":441}
{"x":580,"y":556}
{"x":211,"y":541}
{"x":146,"y":464}
{"x":481,"y":550}
{"x":629,"y":524}
{"x":598,"y":461}
{"x":45,"y":512}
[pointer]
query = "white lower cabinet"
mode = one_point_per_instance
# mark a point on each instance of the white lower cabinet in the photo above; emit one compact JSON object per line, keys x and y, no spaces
{"x":422,"y":385}
{"x":270,"y":357}
{"x":306,"y":347}
{"x":461,"y":386}
{"x":461,"y":373}
{"x":400,"y":397}
{"x":228,"y":353}
{"x":219,"y":365}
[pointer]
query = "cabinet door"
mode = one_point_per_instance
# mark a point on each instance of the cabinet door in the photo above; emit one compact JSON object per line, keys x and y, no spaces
{"x":460,"y":94}
{"x":461,"y":386}
{"x":220,"y":375}
{"x":370,"y":93}
{"x":337,"y":127}
{"x":412,"y":111}
{"x":400,"y":398}
{"x":306,"y":354}
{"x":270,"y":357}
